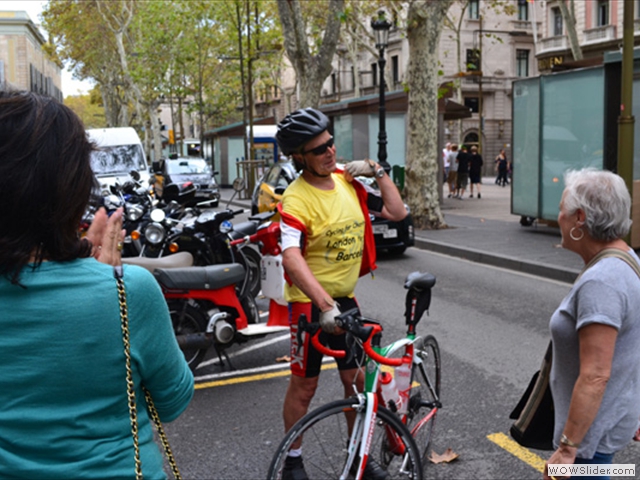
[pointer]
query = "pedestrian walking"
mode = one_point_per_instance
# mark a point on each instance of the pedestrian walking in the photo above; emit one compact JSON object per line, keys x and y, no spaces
{"x":502,"y":165}
{"x":445,"y":161}
{"x":453,"y":171}
{"x":463,"y":172}
{"x":475,"y":171}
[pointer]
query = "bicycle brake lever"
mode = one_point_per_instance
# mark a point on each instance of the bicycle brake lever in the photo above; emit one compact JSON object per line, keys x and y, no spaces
{"x":361,"y":332}
{"x":305,"y":327}
{"x":350,"y":342}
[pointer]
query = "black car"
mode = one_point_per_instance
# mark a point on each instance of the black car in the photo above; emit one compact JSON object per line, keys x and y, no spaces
{"x":393,"y":237}
{"x":195,"y":170}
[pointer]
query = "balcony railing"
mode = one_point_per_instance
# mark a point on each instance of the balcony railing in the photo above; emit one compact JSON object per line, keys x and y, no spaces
{"x":526,"y":25}
{"x":600,"y":34}
{"x":553,"y":43}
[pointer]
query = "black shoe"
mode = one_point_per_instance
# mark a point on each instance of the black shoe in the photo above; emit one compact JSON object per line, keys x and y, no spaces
{"x":479,"y":196}
{"x":294,"y":469}
{"x":372,"y":471}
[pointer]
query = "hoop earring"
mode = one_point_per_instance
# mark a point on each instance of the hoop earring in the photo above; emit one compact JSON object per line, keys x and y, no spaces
{"x":573,"y":237}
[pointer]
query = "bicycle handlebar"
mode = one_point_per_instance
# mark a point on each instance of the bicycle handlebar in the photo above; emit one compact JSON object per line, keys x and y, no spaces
{"x":358,"y":326}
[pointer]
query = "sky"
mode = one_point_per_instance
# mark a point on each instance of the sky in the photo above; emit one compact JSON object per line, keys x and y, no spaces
{"x":70,"y":86}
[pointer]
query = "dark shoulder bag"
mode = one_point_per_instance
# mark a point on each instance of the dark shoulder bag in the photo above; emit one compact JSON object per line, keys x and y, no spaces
{"x":534,"y":414}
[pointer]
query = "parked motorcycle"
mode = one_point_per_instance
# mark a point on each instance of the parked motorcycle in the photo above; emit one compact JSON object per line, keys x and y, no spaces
{"x":136,"y":201}
{"x":206,"y":235}
{"x":206,"y":307}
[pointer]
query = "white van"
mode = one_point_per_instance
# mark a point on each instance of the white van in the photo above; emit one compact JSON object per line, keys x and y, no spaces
{"x":120,"y":151}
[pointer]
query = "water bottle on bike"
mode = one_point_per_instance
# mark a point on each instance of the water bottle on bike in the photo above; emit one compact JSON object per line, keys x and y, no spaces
{"x":390,"y":392}
{"x":403,"y":381}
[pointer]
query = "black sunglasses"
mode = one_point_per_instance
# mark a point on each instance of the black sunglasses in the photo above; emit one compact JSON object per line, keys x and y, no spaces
{"x":320,"y":149}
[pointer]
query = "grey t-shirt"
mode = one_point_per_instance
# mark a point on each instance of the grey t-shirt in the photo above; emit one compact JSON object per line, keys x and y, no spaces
{"x":607,"y":293}
{"x":453,"y":165}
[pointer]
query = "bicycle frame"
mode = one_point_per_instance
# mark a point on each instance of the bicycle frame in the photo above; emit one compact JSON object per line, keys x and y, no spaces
{"x":362,"y":434}
{"x":369,"y":400}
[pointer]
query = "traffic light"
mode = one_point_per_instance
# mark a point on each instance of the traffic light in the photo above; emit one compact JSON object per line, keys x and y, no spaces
{"x":172,"y":140}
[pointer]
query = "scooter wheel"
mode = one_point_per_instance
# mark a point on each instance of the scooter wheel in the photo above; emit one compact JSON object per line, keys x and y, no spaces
{"x":250,"y":308}
{"x":187,"y":319}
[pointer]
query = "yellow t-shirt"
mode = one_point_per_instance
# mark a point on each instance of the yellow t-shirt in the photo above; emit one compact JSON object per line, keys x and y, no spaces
{"x":335,"y":235}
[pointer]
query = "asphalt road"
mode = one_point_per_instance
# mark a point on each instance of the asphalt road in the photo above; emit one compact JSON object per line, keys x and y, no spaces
{"x":491,"y":325}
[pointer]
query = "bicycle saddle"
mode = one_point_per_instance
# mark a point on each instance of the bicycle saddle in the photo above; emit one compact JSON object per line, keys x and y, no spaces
{"x":419,"y":281}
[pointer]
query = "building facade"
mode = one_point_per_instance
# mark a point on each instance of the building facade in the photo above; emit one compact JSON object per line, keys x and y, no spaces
{"x":23,"y":62}
{"x":479,"y":61}
{"x":598,"y":28}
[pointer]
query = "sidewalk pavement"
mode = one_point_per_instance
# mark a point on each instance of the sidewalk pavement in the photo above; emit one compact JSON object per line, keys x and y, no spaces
{"x":484,"y":230}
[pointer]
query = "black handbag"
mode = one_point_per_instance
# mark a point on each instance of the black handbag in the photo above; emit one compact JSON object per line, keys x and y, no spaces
{"x":534,"y":414}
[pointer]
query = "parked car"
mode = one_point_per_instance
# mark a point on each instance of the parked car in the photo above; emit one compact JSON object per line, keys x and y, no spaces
{"x":393,"y":237}
{"x":196,"y":170}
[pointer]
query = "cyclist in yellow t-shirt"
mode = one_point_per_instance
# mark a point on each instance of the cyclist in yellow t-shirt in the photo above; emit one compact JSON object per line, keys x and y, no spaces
{"x":327,"y":244}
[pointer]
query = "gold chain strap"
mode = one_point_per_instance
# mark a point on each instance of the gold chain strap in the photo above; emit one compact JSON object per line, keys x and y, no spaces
{"x":131,"y":394}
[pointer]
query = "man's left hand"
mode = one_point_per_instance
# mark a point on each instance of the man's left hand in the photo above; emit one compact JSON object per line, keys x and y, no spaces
{"x":361,"y":168}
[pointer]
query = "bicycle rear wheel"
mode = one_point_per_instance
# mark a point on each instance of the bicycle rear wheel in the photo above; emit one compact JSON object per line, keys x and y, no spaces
{"x":424,"y":399}
{"x":326,"y":436}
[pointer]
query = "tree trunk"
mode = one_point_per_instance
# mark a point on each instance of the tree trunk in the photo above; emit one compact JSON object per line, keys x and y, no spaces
{"x":570,"y":21}
{"x":155,"y":128}
{"x":311,"y":70}
{"x":424,"y":25}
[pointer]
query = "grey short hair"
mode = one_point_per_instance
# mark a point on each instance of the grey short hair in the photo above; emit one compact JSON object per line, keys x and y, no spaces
{"x":604,"y":198}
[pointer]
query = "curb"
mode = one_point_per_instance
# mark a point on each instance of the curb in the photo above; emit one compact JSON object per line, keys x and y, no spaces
{"x":510,"y":263}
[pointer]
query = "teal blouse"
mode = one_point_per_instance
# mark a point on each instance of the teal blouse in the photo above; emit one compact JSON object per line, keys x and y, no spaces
{"x":63,"y":394}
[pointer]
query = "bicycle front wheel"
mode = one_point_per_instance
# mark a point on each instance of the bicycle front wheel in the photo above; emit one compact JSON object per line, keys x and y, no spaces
{"x":424,"y":399}
{"x":326,"y":437}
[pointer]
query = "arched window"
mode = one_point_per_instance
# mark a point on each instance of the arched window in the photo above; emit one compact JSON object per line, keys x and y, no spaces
{"x":470,"y":139}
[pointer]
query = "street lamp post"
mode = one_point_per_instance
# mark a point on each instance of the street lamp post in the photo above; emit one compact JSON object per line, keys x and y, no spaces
{"x":381,"y":29}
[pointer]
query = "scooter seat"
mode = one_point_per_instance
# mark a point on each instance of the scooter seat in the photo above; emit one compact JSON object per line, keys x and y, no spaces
{"x":211,"y":277}
{"x":243,"y":229}
{"x":175,"y":260}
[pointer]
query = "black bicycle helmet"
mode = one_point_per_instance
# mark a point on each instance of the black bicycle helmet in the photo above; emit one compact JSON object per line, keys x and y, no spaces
{"x":299,"y":127}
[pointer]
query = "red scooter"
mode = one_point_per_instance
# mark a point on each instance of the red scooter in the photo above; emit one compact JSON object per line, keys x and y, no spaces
{"x":204,"y":304}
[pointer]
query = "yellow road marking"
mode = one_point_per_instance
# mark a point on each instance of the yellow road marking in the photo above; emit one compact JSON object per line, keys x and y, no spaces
{"x":518,"y":451}
{"x":253,"y":378}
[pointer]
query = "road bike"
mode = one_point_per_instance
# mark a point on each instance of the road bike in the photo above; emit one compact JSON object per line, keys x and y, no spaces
{"x":342,"y":436}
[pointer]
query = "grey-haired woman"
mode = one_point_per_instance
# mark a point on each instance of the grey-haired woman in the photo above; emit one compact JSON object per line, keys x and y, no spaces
{"x":595,"y":374}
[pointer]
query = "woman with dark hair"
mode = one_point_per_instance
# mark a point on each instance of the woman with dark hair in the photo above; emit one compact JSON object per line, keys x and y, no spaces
{"x":63,"y":388}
